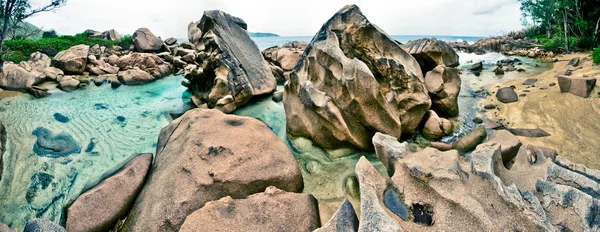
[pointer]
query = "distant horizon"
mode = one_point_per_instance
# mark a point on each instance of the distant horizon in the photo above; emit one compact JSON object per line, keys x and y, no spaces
{"x":472,"y":18}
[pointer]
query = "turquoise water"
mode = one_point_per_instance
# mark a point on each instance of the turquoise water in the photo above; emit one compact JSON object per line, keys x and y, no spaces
{"x":109,"y":127}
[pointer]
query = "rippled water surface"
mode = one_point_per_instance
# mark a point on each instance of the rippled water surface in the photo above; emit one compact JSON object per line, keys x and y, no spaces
{"x":109,"y":126}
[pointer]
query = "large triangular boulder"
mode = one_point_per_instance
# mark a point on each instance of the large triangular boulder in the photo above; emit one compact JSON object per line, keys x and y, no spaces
{"x":232,"y":69}
{"x":352,"y":81}
{"x":206,"y":155}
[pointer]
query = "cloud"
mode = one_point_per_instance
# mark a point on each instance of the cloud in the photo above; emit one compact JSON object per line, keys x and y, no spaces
{"x":286,"y":17}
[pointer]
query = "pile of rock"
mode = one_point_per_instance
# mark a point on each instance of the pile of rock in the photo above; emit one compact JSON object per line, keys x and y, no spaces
{"x":347,"y":86}
{"x":282,"y":60}
{"x":72,"y":68}
{"x":512,"y":44}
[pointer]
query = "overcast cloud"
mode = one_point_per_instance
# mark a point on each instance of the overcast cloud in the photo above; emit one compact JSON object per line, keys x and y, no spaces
{"x":286,"y":17}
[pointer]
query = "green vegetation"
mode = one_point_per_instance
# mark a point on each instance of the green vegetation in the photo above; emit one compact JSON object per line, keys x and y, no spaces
{"x":19,"y":50}
{"x":262,"y":34}
{"x":563,"y":25}
{"x":596,"y":56}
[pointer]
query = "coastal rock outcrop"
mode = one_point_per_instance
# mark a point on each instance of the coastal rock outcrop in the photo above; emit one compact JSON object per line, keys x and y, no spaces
{"x":431,"y":53}
{"x":272,"y":210}
{"x":99,"y":208}
{"x":345,"y":88}
{"x":443,"y":84}
{"x":231,"y":65}
{"x":145,"y":41}
{"x":146,"y":62}
{"x":15,"y":77}
{"x":284,"y":58}
{"x":73,"y":60}
{"x":430,"y":190}
{"x":206,"y":155}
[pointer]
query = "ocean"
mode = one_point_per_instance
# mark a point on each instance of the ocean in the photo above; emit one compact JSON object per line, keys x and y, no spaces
{"x":265,"y":42}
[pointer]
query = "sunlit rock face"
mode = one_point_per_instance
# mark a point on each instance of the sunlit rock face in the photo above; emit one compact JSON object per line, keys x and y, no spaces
{"x":231,"y":68}
{"x":352,"y":81}
{"x":205,"y":155}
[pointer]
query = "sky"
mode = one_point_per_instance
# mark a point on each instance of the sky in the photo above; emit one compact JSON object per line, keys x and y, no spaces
{"x":170,"y":18}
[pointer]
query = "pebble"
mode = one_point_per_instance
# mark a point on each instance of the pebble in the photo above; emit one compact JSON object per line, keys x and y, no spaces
{"x":552,"y":84}
{"x":489,"y":107}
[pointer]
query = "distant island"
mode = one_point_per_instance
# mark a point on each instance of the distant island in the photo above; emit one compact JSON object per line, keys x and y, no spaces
{"x":263,"y":34}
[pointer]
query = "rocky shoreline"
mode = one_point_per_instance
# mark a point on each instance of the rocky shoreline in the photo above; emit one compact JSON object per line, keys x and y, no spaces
{"x":213,"y":171}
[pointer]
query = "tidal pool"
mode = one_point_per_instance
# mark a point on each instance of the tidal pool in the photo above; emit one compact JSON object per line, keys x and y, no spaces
{"x":64,"y":144}
{"x":59,"y":146}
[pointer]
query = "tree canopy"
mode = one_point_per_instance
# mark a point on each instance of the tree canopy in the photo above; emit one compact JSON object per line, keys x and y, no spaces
{"x":562,"y":19}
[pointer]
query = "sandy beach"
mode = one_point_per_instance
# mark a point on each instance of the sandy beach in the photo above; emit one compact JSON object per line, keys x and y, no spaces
{"x":572,"y":121}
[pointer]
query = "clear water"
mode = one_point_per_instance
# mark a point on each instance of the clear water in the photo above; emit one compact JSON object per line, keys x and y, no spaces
{"x":122,"y":122}
{"x":127,"y":121}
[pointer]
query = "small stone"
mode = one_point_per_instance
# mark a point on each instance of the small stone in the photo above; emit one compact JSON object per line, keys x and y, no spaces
{"x":552,"y":84}
{"x":530,"y":81}
{"x":522,"y":95}
{"x":489,"y":106}
{"x":115,"y":84}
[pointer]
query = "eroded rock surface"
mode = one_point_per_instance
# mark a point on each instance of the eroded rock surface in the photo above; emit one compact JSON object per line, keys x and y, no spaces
{"x":205,"y":155}
{"x":230,"y":63}
{"x":272,"y":210}
{"x":348,"y":86}
{"x":430,"y":190}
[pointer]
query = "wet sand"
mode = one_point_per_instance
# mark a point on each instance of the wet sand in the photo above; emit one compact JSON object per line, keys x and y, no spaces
{"x":572,"y":121}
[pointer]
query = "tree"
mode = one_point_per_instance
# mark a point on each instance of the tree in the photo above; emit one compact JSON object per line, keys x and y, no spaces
{"x":49,"y":34}
{"x":13,"y":12}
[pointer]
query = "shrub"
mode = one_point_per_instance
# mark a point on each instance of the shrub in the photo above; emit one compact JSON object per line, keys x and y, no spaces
{"x":596,"y":56}
{"x":16,"y":49}
{"x":126,"y":41}
{"x":553,"y":44}
{"x":583,"y":43}
{"x":49,"y":34}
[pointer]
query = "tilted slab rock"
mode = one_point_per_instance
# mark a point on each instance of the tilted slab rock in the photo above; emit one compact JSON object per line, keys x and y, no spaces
{"x":347,"y":86}
{"x":99,"y":208}
{"x":578,"y":86}
{"x":231,"y":63}
{"x":272,"y":210}
{"x":205,"y":155}
{"x":73,"y":60}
